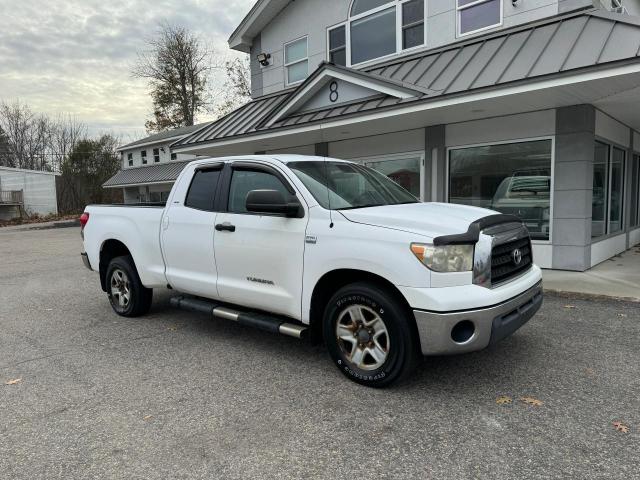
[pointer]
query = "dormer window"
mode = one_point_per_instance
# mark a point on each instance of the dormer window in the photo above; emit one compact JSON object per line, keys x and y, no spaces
{"x":377,"y":29}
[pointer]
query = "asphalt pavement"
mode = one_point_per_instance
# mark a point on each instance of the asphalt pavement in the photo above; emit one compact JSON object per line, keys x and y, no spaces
{"x":178,"y":395}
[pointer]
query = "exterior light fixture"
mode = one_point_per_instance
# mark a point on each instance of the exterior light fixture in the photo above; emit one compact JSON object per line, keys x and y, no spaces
{"x":263,"y":58}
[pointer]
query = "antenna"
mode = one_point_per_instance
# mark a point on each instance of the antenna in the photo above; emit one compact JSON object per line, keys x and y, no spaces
{"x":326,"y":175}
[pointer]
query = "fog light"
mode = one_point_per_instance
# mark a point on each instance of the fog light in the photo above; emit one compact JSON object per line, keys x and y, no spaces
{"x":463,"y":331}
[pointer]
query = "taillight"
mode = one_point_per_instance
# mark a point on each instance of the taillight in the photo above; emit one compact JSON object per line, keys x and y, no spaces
{"x":84,"y":219}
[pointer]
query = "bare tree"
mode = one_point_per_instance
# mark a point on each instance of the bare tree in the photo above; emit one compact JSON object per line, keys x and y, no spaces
{"x":27,"y":136}
{"x":36,"y":141}
{"x":237,"y":86}
{"x":177,"y":65}
{"x":66,"y":132}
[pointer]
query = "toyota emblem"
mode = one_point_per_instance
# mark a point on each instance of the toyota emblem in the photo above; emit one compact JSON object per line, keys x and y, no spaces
{"x":516,"y":256}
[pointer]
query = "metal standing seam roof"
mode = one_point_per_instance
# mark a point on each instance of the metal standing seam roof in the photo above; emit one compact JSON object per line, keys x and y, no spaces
{"x":163,"y":172}
{"x":159,"y":137}
{"x":552,"y":46}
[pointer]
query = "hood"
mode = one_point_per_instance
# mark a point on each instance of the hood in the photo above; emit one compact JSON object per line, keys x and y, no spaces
{"x":427,"y":219}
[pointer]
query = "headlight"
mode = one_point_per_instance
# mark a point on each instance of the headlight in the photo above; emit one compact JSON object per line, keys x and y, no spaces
{"x":445,"y":258}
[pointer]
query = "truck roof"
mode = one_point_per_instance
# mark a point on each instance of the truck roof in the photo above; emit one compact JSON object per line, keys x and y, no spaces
{"x":282,"y":158}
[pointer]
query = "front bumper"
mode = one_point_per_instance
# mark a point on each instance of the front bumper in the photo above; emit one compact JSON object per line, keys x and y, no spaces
{"x":491,"y":324}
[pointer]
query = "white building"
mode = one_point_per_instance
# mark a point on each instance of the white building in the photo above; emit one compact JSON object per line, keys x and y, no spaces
{"x":149,"y":166}
{"x":32,"y":191}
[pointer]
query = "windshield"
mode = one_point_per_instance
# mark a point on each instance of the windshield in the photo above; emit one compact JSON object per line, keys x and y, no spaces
{"x":341,"y":186}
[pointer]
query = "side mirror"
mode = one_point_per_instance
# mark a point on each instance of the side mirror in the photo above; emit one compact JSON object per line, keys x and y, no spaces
{"x":272,"y":202}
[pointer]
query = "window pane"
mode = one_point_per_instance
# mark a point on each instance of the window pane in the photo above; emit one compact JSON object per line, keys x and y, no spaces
{"x":600,"y":190}
{"x":295,"y":51}
{"x":413,"y":36}
{"x":297,"y":72}
{"x":480,"y":16}
{"x":405,"y":172}
{"x":203,"y":189}
{"x":617,"y":191}
{"x":243,"y":181}
{"x":635,"y":193}
{"x":513,"y":178}
{"x":339,"y":57}
{"x":412,"y":12}
{"x":361,"y":6}
{"x":373,"y":36}
{"x":337,"y":38}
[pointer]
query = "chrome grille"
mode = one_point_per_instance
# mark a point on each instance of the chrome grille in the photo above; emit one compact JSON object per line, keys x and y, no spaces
{"x":504,"y":260}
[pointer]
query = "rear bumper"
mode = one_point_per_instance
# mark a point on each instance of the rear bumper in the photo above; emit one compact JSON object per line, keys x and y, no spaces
{"x":85,"y":260}
{"x":491,"y":324}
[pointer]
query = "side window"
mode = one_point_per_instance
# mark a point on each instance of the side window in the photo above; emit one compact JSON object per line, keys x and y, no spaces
{"x":202,"y":191}
{"x":243,"y":181}
{"x":296,"y":61}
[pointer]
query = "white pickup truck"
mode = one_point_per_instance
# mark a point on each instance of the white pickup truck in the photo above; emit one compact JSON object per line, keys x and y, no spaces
{"x":326,"y":249}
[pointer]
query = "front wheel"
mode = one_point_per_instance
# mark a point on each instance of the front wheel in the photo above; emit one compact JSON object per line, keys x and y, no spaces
{"x":128,"y":297}
{"x":369,"y":335}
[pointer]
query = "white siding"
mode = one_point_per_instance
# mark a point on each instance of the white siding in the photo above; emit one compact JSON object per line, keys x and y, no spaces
{"x":511,"y":127}
{"x":312,"y":18}
{"x":606,"y":249}
{"x":399,"y":142}
{"x":164,"y":156}
{"x":612,"y":130}
{"x":39,"y":189}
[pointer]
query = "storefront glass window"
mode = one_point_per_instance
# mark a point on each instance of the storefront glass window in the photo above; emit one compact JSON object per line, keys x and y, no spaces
{"x":405,"y":172}
{"x":617,"y":190}
{"x":607,"y":207}
{"x":512,"y":178}
{"x":600,"y":190}
{"x":635,"y":191}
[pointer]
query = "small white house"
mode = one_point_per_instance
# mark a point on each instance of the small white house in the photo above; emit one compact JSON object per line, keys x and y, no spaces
{"x":150,"y":167}
{"x":28,"y":191}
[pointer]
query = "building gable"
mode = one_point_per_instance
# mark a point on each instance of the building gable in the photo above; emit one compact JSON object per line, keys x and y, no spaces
{"x":331,"y":86}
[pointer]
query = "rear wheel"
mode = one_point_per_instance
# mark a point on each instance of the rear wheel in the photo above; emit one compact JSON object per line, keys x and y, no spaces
{"x":128,"y":297}
{"x":369,"y":335}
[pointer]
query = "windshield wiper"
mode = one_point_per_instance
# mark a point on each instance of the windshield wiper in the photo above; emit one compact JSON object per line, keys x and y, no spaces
{"x":363,"y":206}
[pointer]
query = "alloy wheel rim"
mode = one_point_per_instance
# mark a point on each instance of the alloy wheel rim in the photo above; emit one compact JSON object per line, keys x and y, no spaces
{"x":363,"y":337}
{"x":120,"y":288}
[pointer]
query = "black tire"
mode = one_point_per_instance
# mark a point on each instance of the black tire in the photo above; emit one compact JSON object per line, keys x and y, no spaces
{"x":123,"y":282}
{"x":400,"y":345}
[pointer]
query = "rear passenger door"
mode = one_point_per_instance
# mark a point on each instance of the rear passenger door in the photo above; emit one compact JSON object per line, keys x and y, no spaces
{"x":188,"y":230}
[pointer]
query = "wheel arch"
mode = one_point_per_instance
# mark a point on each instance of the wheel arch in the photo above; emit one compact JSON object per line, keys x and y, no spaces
{"x":334,"y":280}
{"x":109,"y":250}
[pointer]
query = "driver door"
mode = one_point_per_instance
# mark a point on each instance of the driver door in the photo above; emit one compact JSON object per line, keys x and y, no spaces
{"x":259,"y":256}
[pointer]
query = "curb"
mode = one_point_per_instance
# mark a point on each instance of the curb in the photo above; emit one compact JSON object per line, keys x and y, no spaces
{"x":45,"y":226}
{"x":589,"y":296}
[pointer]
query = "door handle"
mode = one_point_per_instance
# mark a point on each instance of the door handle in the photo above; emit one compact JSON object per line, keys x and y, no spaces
{"x":225,"y":227}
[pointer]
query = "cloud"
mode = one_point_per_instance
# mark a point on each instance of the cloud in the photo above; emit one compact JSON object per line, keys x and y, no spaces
{"x":75,"y":56}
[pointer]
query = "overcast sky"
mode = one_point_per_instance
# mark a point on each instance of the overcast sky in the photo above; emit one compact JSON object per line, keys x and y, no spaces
{"x":75,"y":55}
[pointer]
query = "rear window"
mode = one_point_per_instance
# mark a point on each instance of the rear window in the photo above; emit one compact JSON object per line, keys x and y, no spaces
{"x":202,"y":191}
